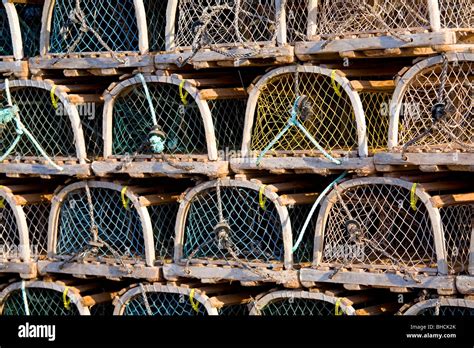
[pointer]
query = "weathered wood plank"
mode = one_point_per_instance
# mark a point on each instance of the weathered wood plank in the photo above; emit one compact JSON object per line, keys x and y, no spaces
{"x":417,"y":159}
{"x":43,"y":169}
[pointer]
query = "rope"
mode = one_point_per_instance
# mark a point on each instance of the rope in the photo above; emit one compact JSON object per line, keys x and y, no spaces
{"x":125,"y":199}
{"x":25,"y":298}
{"x":337,"y":308}
{"x":145,"y":300}
{"x":194,"y":304}
{"x":13,"y":114}
{"x":2,"y":199}
{"x":294,"y":122}
{"x":334,"y":84}
{"x":262,"y":199}
{"x":182,"y":95}
{"x":54,"y":99}
{"x":413,"y":197}
{"x":66,"y":299}
{"x":148,"y":98}
{"x":313,"y":209}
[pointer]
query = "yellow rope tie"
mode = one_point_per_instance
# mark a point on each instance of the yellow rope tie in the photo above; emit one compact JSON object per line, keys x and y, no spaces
{"x":183,"y":94}
{"x":262,"y":199}
{"x":125,"y":199}
{"x":334,"y":84}
{"x":2,"y":199}
{"x":413,"y":197}
{"x":66,"y":300}
{"x":194,"y":304}
{"x":337,"y":308}
{"x":54,"y":99}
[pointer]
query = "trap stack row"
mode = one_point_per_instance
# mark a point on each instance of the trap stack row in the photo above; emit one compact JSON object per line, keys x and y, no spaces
{"x":237,"y":157}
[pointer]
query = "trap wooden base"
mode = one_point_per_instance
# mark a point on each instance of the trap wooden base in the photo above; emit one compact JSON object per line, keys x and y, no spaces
{"x":386,"y":45}
{"x":213,"y":274}
{"x":100,"y":270}
{"x":427,"y":162}
{"x":206,"y":58}
{"x":302,"y":164}
{"x":170,"y":168}
{"x":444,"y":284}
{"x":26,"y":270}
{"x":465,"y":284}
{"x":18,"y":168}
{"x":16,"y":68}
{"x":99,"y":64}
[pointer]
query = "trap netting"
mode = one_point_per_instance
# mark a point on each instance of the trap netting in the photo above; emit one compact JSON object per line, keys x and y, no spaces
{"x":296,"y":20}
{"x":55,"y":130}
{"x":230,"y":222}
{"x":214,"y":22}
{"x":180,"y":119}
{"x":228,"y":116}
{"x":336,"y":18}
{"x":432,"y":107}
{"x":456,"y":14}
{"x":377,"y":223}
{"x":458,"y":226}
{"x":93,"y":26}
{"x":9,"y":229}
{"x":298,"y":215}
{"x":300,"y":303}
{"x":156,"y":21}
{"x":377,"y":117}
{"x":99,"y":222}
{"x":29,"y":16}
{"x":37,"y":216}
{"x":163,"y":219}
{"x":6,"y":43}
{"x":307,"y":110}
{"x":449,"y":307}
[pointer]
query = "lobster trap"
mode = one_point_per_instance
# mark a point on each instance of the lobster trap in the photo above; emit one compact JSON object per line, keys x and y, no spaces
{"x":244,"y":32}
{"x":111,"y":230}
{"x":111,"y":34}
{"x":162,"y":299}
{"x":238,"y":230}
{"x":443,"y":306}
{"x":166,"y":124}
{"x":330,"y":27}
{"x":24,"y":211}
{"x":390,"y":232}
{"x":307,"y":114}
{"x":40,"y":130}
{"x":432,"y":120}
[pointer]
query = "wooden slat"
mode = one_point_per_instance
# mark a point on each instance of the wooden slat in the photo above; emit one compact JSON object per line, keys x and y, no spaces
{"x":455,"y":199}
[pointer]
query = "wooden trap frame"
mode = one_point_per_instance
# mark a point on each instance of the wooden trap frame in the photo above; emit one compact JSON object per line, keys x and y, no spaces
{"x":111,"y":230}
{"x":209,"y":34}
{"x":431,"y":116}
{"x":183,"y":299}
{"x":372,"y":28}
{"x":42,"y":131}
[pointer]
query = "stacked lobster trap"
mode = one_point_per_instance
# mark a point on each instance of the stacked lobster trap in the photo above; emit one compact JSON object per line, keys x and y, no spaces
{"x":112,"y":230}
{"x":330,"y":28}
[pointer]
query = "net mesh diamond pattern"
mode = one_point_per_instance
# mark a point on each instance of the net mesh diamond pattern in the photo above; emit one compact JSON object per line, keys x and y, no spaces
{"x":298,"y":307}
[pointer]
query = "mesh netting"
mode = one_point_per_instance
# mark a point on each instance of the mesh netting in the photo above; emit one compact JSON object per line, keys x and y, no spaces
{"x":298,"y":306}
{"x":298,"y":215}
{"x":383,"y":229}
{"x":456,"y":13}
{"x":118,"y":227}
{"x":182,"y":124}
{"x":447,"y":311}
{"x":43,"y":302}
{"x":162,"y":303}
{"x":458,"y":226}
{"x":6,"y":43}
{"x":376,"y":109}
{"x":37,"y":216}
{"x":330,"y":121}
{"x":255,"y":234}
{"x":225,"y":22}
{"x":156,"y":20}
{"x":102,"y":309}
{"x":9,"y":234}
{"x":296,"y":20}
{"x":163,"y":219}
{"x":91,"y":119}
{"x":229,"y":117}
{"x":29,"y":16}
{"x":455,"y":129}
{"x":337,"y":17}
{"x":114,"y":21}
{"x":239,"y":310}
{"x":53,"y":132}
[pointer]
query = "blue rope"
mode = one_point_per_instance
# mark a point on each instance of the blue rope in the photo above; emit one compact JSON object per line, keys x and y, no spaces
{"x":25,"y":298}
{"x":293,"y":121}
{"x":313,"y":209}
